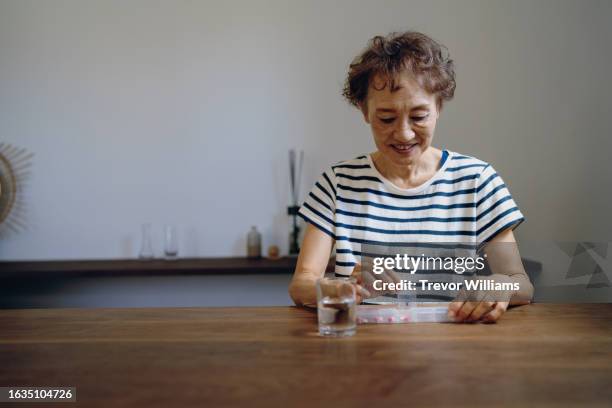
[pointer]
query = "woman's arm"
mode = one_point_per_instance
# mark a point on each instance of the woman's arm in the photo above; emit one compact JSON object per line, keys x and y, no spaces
{"x":506,"y":265}
{"x":505,"y":261}
{"x":311,"y":265}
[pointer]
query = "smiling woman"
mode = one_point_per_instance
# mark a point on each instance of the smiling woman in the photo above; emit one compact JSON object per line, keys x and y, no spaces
{"x":407,"y":191}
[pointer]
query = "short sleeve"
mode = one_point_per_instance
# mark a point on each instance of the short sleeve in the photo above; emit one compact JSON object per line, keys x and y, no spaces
{"x":320,"y":204}
{"x":496,"y":210}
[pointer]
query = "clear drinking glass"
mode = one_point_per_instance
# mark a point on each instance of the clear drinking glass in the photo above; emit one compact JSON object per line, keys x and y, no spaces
{"x":336,"y":311}
{"x":171,"y":241}
{"x":146,"y":245}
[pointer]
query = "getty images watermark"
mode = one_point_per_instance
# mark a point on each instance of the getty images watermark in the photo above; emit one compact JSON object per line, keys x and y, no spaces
{"x":559,"y":271}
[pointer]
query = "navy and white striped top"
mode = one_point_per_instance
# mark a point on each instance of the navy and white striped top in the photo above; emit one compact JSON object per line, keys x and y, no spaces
{"x":466,"y":201}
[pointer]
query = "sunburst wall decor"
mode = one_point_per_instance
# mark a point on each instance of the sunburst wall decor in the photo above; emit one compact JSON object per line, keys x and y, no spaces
{"x":15,"y":166}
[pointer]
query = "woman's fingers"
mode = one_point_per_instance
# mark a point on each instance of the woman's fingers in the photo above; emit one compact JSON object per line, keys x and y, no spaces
{"x":466,"y":310}
{"x":453,"y":308}
{"x":485,"y":311}
{"x":464,"y":304}
{"x":481,"y":310}
{"x":470,"y":307}
{"x":361,"y":291}
{"x":460,"y":310}
{"x":496,"y":313}
{"x":357,"y":273}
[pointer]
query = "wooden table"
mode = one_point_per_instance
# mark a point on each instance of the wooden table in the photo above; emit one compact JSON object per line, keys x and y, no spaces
{"x":537,"y":355}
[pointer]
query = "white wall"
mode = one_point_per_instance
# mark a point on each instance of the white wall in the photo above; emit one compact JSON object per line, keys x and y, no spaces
{"x":183,"y":111}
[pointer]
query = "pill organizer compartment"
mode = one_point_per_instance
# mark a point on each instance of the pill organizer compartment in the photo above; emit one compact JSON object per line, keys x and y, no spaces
{"x":414,"y":312}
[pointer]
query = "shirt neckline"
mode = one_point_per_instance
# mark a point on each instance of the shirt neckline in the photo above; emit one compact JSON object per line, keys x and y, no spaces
{"x":416,"y":189}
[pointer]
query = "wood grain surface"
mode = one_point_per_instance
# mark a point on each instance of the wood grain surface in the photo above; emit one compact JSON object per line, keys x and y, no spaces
{"x":537,"y":355}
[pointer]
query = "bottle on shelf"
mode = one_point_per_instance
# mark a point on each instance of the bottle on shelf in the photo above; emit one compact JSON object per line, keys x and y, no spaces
{"x":254,"y":244}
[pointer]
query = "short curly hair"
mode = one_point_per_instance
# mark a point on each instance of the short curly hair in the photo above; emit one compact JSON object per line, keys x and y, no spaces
{"x":388,"y":56}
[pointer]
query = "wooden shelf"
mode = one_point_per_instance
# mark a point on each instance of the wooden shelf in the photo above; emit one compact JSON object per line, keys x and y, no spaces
{"x":157,"y":267}
{"x":139,"y":267}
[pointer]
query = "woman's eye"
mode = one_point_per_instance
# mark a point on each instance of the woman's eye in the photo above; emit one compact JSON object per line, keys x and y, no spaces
{"x":419,"y":118}
{"x":387,"y":120}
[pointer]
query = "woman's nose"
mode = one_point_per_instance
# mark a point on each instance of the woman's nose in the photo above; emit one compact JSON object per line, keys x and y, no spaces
{"x":404,"y":131}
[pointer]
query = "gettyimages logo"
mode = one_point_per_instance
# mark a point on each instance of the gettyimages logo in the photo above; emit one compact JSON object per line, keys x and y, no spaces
{"x":560,"y":272}
{"x":438,"y":271}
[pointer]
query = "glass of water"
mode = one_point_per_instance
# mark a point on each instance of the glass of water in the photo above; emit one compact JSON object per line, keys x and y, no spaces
{"x":336,"y":311}
{"x":171,"y":242}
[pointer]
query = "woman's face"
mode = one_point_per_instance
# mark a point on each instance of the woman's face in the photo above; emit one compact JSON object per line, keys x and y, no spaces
{"x":403,"y":120}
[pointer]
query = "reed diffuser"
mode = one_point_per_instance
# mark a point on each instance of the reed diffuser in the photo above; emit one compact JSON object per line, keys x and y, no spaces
{"x":295,"y":173}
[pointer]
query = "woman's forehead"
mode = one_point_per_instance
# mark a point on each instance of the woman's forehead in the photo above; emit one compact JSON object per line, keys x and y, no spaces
{"x":406,"y":91}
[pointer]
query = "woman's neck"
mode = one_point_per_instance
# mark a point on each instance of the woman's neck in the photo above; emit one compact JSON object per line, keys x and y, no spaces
{"x":410,"y":175}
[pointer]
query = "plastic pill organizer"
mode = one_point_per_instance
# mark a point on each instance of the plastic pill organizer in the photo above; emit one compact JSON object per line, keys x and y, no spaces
{"x":418,"y":312}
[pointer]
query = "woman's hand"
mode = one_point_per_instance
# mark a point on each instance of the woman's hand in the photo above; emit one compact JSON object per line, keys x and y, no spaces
{"x":365,"y":281}
{"x":361,"y":292}
{"x":485,"y":311}
{"x":481,"y":305}
{"x":505,"y":262}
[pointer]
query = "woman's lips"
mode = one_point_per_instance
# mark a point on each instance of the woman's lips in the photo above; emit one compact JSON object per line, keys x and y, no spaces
{"x":404,"y":148}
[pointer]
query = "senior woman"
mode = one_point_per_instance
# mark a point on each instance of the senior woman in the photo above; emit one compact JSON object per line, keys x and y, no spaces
{"x":408,"y":190}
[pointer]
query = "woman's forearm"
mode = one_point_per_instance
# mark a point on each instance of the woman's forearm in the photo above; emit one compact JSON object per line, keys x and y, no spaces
{"x":524,"y":294}
{"x":303,"y":291}
{"x":311,"y":264}
{"x":506,"y":264}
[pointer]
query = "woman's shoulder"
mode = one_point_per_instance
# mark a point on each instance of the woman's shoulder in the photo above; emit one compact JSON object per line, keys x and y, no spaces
{"x":461,"y":163}
{"x":460,"y":160}
{"x":359,"y":162}
{"x":356,"y":166}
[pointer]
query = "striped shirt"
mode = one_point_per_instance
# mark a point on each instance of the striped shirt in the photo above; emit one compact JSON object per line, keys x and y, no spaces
{"x":466,"y":201}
